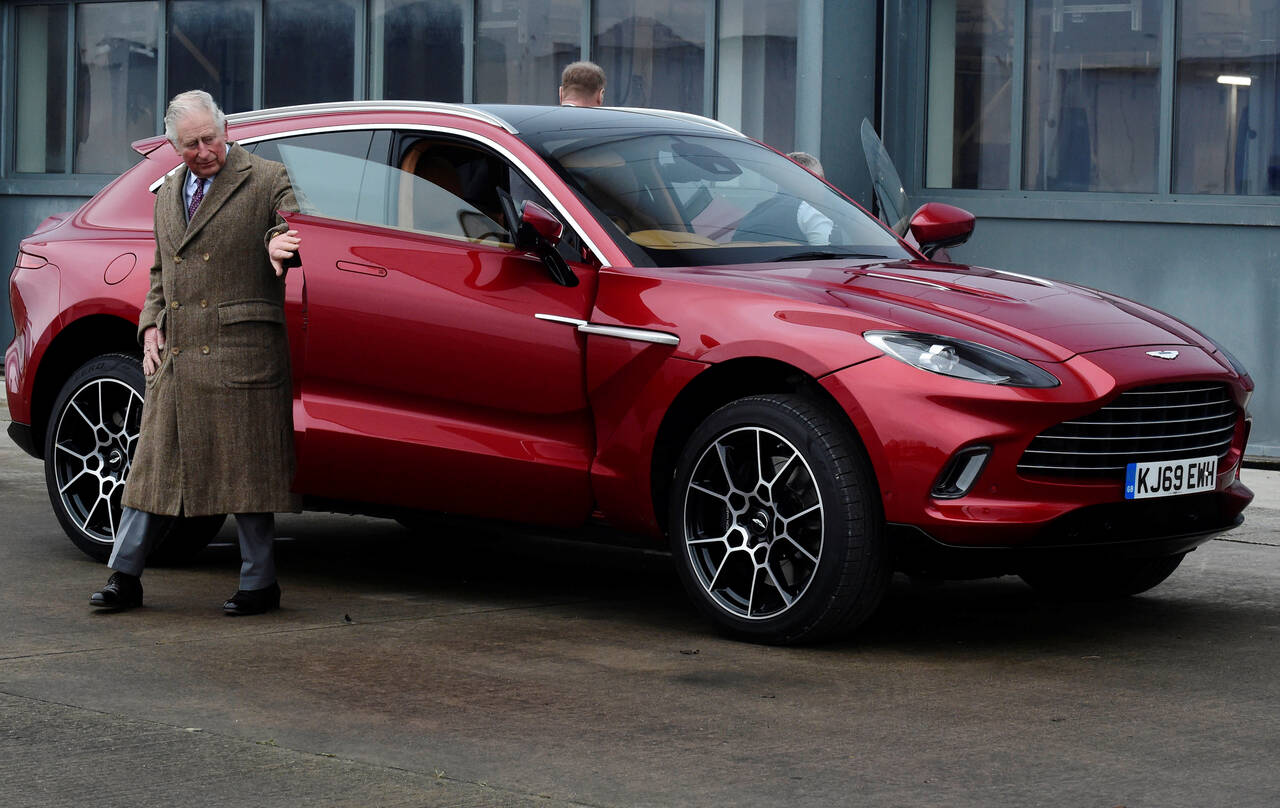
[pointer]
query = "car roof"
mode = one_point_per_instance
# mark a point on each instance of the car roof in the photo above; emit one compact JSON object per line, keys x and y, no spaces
{"x":525,"y":119}
{"x":535,"y":120}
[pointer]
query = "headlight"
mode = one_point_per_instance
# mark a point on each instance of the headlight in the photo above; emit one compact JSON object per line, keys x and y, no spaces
{"x":960,"y":358}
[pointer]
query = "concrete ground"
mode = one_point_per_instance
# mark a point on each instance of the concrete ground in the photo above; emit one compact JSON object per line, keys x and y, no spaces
{"x":504,"y":670}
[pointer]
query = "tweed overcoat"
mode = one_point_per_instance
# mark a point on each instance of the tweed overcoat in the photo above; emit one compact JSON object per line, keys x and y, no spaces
{"x":217,"y":425}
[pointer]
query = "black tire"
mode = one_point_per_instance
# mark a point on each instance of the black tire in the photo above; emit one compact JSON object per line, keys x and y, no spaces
{"x":776,"y":525}
{"x":1106,"y":580}
{"x":88,"y":449}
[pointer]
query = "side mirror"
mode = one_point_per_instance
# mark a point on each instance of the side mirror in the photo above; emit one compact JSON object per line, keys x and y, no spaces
{"x":540,"y":231}
{"x":542,"y":221}
{"x":937,"y":225}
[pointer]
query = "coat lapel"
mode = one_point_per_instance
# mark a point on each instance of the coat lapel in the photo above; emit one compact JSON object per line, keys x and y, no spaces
{"x":171,"y":215}
{"x":233,"y":173}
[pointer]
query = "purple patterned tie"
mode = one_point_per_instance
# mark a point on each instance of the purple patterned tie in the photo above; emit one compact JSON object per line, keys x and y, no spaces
{"x":195,"y":200}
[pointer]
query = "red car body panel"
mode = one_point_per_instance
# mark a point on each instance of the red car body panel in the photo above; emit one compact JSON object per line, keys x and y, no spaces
{"x":422,"y":355}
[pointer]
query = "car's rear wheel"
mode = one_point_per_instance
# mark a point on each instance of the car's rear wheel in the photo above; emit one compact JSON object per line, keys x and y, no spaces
{"x":775,"y":521}
{"x":1104,"y":580}
{"x":88,"y":451}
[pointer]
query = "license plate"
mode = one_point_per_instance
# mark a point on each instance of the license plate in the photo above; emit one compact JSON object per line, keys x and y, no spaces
{"x":1170,"y":478}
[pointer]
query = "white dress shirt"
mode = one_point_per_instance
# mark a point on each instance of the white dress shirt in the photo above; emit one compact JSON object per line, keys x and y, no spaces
{"x":815,"y":226}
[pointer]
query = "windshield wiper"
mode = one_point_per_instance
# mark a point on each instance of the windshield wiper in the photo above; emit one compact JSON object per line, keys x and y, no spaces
{"x":818,"y":255}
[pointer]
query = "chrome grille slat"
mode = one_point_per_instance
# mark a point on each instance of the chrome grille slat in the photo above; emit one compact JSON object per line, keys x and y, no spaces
{"x":1059,"y":469}
{"x":1130,"y":452}
{"x":1169,"y":422}
{"x":1183,"y":391}
{"x":1147,"y":423}
{"x":1150,"y":407}
{"x":1231,"y":428}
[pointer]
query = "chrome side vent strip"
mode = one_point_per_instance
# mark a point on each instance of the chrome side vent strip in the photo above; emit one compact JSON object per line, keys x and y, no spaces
{"x":620,"y":332}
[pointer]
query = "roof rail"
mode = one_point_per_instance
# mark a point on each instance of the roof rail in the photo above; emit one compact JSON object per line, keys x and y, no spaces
{"x":676,"y":115}
{"x":371,"y":106}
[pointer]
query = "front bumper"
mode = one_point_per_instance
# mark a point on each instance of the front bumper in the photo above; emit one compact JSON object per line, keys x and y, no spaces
{"x":913,"y":422}
{"x":1137,"y":529}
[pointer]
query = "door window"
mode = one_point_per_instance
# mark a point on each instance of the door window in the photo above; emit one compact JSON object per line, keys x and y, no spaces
{"x":435,"y":185}
{"x":458,"y":188}
{"x":326,"y":166}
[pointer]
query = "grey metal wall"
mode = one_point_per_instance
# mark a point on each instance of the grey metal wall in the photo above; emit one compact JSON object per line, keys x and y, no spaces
{"x":1224,"y":280}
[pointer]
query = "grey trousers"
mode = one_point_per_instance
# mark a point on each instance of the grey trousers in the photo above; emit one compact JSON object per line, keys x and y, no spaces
{"x":139,"y":532}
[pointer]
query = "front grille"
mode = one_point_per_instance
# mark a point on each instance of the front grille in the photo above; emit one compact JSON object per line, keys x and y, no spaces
{"x":1167,"y":422}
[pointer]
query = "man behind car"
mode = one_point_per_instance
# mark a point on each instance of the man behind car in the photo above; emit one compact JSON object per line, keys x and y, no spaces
{"x":582,"y":85}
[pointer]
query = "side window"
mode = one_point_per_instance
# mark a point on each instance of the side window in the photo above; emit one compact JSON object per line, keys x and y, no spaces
{"x":364,"y":144}
{"x":449,"y":188}
{"x":457,"y":188}
{"x":330,"y":172}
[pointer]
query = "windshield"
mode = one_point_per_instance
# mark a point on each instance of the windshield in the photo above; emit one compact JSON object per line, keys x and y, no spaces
{"x":692,"y":200}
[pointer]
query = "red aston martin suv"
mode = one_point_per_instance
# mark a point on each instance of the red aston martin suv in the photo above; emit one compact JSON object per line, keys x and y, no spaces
{"x":645,"y":321}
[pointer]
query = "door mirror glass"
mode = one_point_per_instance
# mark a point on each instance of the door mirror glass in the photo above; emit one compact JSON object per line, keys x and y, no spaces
{"x":936,"y":225}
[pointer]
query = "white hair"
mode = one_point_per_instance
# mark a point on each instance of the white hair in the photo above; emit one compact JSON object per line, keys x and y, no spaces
{"x":808,"y":161}
{"x":184,"y":105}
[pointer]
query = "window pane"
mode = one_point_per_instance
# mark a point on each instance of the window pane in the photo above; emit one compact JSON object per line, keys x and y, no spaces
{"x":653,"y":52}
{"x":1093,"y":96}
{"x":355,"y":143}
{"x":41,"y":120}
{"x":211,"y":49}
{"x":311,"y":51}
{"x":521,"y":47}
{"x":970,"y":88}
{"x":422,"y":49}
{"x":757,"y":75}
{"x":1227,"y":139}
{"x":116,"y":86}
{"x":690,"y":200}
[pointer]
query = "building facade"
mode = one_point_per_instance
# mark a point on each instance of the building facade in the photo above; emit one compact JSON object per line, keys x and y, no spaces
{"x":1131,"y":146}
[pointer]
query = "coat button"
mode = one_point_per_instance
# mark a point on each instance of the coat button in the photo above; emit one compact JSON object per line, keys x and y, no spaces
{"x":177,"y":259}
{"x":206,"y":256}
{"x":204,"y":304}
{"x":177,"y":351}
{"x":173,"y":305}
{"x":204,"y":349}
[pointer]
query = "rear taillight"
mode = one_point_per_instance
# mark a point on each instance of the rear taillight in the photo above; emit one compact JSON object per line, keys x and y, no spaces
{"x":28,"y":260}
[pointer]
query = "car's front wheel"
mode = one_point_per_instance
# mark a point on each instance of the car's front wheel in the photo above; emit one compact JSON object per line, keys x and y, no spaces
{"x":89,"y":447}
{"x":775,"y":521}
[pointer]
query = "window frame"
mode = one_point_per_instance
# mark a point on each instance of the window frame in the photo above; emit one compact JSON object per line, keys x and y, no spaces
{"x":906,"y":71}
{"x":69,"y":182}
{"x":469,"y":138}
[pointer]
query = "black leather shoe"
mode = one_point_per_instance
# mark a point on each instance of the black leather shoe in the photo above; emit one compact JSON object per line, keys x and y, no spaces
{"x":121,"y":592}
{"x":253,"y":601}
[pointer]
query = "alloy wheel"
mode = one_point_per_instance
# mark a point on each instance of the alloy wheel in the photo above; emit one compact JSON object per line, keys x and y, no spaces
{"x":753,"y":523}
{"x":94,"y":440}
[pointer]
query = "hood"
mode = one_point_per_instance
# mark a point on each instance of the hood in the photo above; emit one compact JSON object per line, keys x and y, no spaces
{"x":1028,"y":317}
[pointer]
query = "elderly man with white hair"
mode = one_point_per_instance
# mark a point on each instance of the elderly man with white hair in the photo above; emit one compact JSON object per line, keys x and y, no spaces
{"x":217,"y":425}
